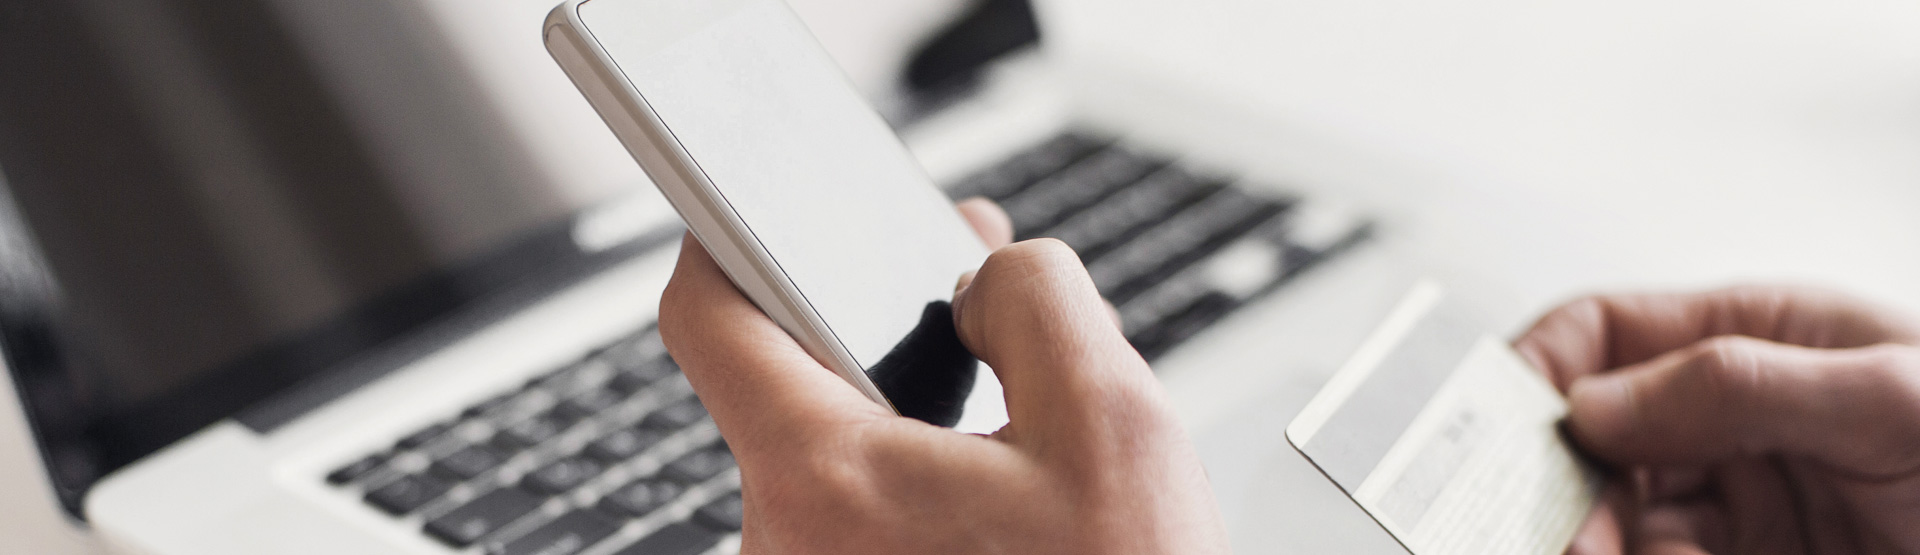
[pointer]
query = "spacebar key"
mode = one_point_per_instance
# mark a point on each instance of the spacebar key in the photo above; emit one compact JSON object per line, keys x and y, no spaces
{"x":564,"y":536}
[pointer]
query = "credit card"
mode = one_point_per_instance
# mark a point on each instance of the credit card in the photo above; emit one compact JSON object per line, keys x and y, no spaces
{"x":1449,"y":439}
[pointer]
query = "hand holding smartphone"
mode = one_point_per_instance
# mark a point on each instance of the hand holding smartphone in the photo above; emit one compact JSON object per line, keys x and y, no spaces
{"x":800,"y":191}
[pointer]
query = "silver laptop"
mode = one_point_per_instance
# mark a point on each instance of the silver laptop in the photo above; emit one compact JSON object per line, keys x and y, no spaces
{"x":375,"y":279}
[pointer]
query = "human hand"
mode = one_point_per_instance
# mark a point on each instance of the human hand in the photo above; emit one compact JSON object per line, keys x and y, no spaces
{"x":1092,"y":462}
{"x":1751,"y":420}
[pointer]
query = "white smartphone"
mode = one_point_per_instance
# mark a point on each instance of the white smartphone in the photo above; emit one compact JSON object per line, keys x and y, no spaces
{"x":796,"y":186}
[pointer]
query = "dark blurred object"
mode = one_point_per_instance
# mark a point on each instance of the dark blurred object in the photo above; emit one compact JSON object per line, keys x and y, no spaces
{"x":953,"y":59}
{"x":929,"y":374}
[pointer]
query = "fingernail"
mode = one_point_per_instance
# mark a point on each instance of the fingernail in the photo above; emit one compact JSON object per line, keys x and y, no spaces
{"x":1600,"y":407}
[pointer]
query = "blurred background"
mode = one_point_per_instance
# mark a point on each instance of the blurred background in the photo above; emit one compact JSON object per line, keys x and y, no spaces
{"x":207,"y":177}
{"x":217,"y":174}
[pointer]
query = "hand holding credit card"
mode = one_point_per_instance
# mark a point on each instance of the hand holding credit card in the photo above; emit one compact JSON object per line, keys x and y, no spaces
{"x":1448,"y":439}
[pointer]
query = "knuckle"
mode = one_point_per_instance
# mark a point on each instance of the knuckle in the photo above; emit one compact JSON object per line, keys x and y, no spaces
{"x":1728,"y":379}
{"x":675,"y":310}
{"x":671,"y":300}
{"x":1588,"y":307}
{"x":680,"y":325}
{"x":671,"y":324}
{"x":1730,"y":367}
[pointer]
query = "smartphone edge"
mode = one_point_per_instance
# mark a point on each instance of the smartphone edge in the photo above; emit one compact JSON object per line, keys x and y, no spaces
{"x":699,"y":202}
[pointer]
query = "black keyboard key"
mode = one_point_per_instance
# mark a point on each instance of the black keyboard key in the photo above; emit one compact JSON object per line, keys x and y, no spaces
{"x":623,"y":444}
{"x":562,"y":475}
{"x":533,"y":431}
{"x":641,"y":497}
{"x":356,"y":469}
{"x":406,"y":494}
{"x":1158,"y":338}
{"x":1025,"y":168}
{"x":1190,"y":235}
{"x":723,"y":514}
{"x":589,"y":403}
{"x":1089,"y":180}
{"x":629,"y":382}
{"x":1163,"y":301}
{"x":676,"y":416}
{"x":466,"y":463}
{"x":424,"y":436}
{"x":566,"y":535}
{"x":1129,"y":212}
{"x":481,"y":516}
{"x":699,"y":466}
{"x":678,"y":538}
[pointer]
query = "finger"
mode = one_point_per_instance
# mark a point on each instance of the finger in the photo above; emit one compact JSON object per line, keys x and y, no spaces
{"x":1729,"y":397}
{"x":1598,"y":333}
{"x":1670,"y":547}
{"x":1112,"y":311}
{"x":1760,"y":506}
{"x":1081,"y":400}
{"x":1601,"y":533}
{"x":755,"y":379}
{"x":1032,"y":314}
{"x":1837,"y":509}
{"x":1676,"y":481}
{"x":1679,"y":529}
{"x":988,"y":220}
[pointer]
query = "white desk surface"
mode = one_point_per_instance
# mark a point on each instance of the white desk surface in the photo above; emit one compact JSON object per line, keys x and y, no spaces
{"x":1587,"y":146}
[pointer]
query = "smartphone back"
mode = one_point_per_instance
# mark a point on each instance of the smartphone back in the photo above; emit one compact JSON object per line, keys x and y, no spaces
{"x":799,"y":189}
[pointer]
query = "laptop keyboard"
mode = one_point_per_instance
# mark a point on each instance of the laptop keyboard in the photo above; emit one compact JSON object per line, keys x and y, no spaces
{"x":613,"y":449}
{"x":1173,"y":249}
{"x":613,"y":455}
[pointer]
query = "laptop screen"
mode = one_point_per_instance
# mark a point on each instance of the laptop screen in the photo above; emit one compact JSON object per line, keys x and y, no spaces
{"x":208,"y":204}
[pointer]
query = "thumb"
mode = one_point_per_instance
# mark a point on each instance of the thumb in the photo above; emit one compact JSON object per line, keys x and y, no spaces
{"x":1734,"y":396}
{"x":1032,"y":314}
